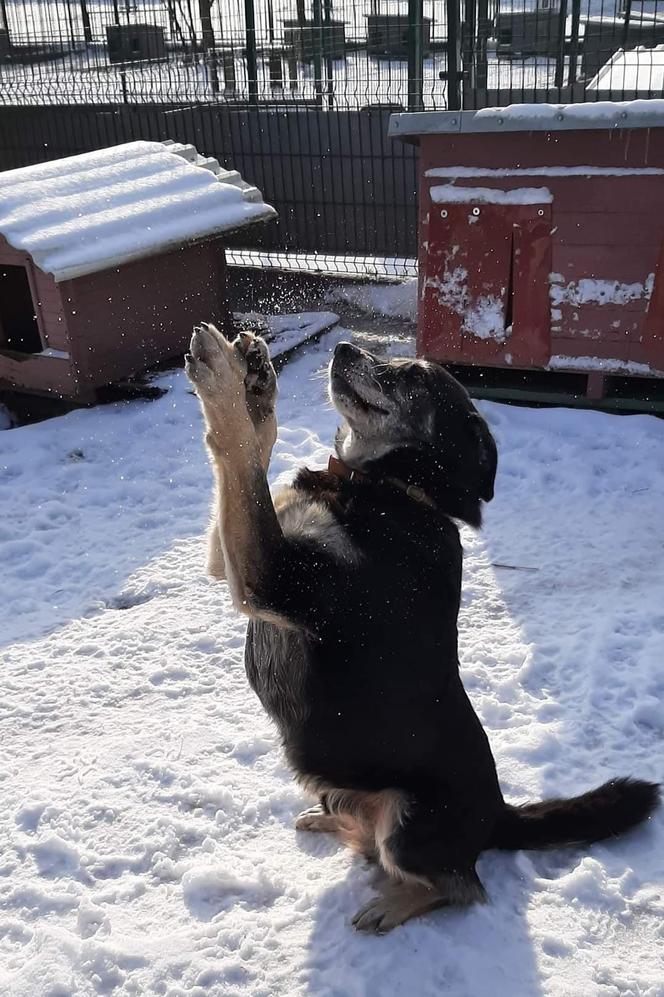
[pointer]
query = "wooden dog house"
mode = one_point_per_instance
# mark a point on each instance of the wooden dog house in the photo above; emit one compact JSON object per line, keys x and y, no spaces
{"x":108,"y":259}
{"x":542,"y":239}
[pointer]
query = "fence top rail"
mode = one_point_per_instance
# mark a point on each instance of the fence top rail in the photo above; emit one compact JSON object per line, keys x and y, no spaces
{"x":531,"y":117}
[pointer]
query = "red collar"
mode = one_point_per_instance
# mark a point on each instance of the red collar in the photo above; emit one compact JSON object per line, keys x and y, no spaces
{"x":341,"y":470}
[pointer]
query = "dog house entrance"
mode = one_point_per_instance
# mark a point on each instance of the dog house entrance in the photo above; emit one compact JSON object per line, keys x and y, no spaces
{"x":19,"y":331}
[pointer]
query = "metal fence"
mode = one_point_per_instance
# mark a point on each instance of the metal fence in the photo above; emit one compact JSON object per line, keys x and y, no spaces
{"x":296,"y":93}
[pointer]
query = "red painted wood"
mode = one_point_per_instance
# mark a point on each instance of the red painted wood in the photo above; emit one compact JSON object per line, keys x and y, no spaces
{"x":481,"y":260}
{"x":652,"y":341}
{"x":588,"y":323}
{"x":530,"y":342}
{"x":42,"y":375}
{"x":595,"y":385}
{"x":565,"y":347}
{"x":619,"y":228}
{"x":627,"y":265}
{"x":120,"y":321}
{"x":635,"y":148}
{"x":604,"y":194}
{"x":606,"y":228}
{"x":468,"y":268}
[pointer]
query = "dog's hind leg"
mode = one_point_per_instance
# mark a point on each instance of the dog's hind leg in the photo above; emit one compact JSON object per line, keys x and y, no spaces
{"x":352,"y":814}
{"x":260,"y":388}
{"x":430,"y":861}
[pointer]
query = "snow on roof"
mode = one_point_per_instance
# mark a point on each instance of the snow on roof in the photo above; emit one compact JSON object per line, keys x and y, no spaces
{"x":637,"y":69}
{"x":532,"y":117}
{"x":87,"y":213}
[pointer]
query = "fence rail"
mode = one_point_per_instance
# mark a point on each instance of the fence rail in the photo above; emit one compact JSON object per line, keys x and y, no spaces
{"x":302,"y":69}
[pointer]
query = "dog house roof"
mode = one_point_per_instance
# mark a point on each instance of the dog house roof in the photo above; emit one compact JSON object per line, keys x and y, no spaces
{"x":531,"y":118}
{"x":87,"y":213}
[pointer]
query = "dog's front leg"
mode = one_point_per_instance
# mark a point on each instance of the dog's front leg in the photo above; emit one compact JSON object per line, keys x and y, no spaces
{"x":248,"y":529}
{"x":260,"y":385}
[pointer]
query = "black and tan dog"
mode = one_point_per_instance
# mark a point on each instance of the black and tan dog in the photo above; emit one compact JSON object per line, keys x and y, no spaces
{"x":351,"y":579}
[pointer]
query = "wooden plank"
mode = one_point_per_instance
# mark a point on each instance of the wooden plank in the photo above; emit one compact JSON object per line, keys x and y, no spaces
{"x":636,"y":148}
{"x":617,"y":228}
{"x":45,"y":375}
{"x":626,"y":265}
{"x":467,"y":269}
{"x":530,"y":341}
{"x":614,"y":323}
{"x":652,"y":345}
{"x":564,"y":346}
{"x":604,"y":194}
{"x":608,"y":195}
{"x":122,"y":322}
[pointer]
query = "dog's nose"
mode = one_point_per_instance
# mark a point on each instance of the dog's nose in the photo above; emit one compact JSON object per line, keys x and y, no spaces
{"x":346,"y":351}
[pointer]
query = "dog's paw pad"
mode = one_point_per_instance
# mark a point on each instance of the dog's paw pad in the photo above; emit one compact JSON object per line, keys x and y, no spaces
{"x":260,"y":378}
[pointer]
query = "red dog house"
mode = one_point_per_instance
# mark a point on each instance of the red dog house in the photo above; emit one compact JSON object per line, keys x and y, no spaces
{"x":108,"y":259}
{"x":542,"y":238}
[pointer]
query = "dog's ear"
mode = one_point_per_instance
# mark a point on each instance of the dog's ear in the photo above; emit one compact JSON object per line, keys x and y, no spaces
{"x":488,"y":456}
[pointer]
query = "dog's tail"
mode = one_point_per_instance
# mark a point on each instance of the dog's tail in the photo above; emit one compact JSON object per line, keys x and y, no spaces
{"x":617,"y":806}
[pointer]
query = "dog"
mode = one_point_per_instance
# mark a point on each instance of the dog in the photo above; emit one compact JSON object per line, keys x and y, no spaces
{"x":351,"y":579}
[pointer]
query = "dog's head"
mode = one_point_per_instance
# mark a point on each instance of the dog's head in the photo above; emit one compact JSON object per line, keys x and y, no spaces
{"x":410,"y":419}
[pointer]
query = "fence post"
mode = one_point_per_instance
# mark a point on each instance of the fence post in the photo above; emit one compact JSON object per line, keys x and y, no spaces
{"x":627,"y":4}
{"x":574,"y":41}
{"x":415,"y":55}
{"x":85,"y":18}
{"x":252,"y":64}
{"x":453,"y":77}
{"x":483,"y":32}
{"x":559,"y":80}
{"x":329,"y":70}
{"x":317,"y":51}
{"x":207,"y":32}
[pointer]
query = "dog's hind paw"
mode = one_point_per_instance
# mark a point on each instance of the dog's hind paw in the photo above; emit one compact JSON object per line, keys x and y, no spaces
{"x":316,"y":819}
{"x":396,"y":905}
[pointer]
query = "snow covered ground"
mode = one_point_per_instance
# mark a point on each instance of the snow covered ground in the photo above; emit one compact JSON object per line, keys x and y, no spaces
{"x":146,"y":840}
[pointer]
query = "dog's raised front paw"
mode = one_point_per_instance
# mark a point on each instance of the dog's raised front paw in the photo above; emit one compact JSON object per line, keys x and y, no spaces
{"x":214,"y":366}
{"x":260,"y":380}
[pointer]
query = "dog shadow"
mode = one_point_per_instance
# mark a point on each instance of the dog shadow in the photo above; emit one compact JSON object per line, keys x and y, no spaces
{"x":481,"y":951}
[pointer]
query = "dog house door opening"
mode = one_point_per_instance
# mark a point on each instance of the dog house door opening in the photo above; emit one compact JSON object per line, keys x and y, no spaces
{"x":18,"y":323}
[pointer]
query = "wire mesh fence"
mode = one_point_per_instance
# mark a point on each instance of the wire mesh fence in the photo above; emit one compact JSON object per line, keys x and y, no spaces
{"x":280,"y":51}
{"x":332,"y":53}
{"x":319,"y":77}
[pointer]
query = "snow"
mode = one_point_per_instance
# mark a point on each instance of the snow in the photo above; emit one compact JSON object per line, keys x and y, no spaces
{"x":286,"y":332}
{"x":544,"y":171}
{"x":591,"y":290}
{"x":593,"y":112}
{"x":638,"y":69}
{"x":484,"y":318}
{"x":449,"y":194}
{"x":146,"y":813}
{"x":607,"y":364}
{"x":532,"y":117}
{"x":87,"y":213}
{"x":397,"y":300}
